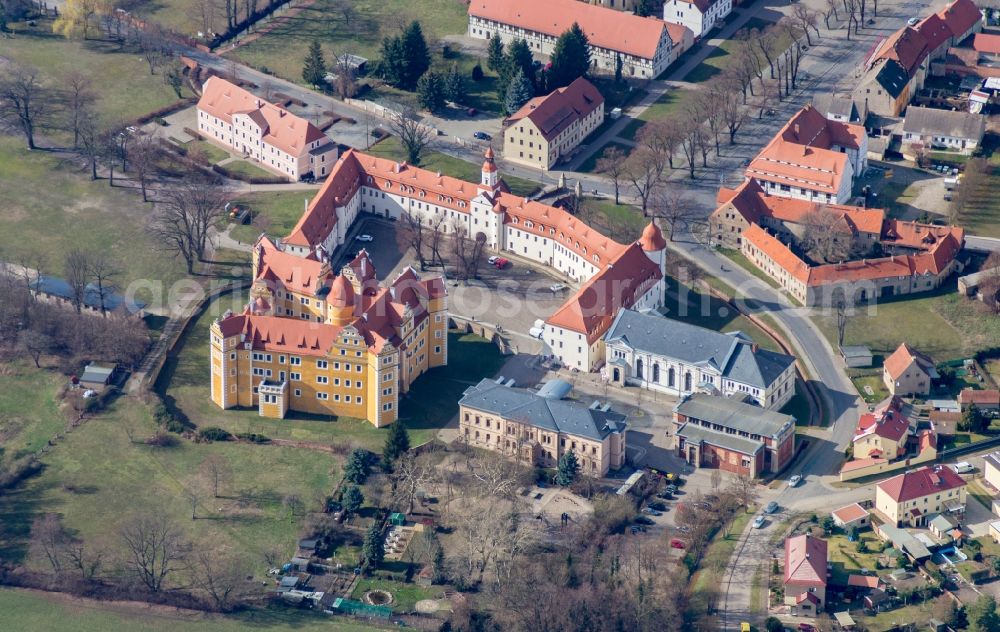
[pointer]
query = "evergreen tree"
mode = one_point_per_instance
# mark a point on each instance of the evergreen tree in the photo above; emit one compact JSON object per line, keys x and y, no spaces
{"x":392,"y":66}
{"x":373,"y":550}
{"x":570,"y":58}
{"x":567,"y":469}
{"x":431,"y":91}
{"x":416,"y":55}
{"x":494,"y":55}
{"x":983,"y":616}
{"x":352,"y":499}
{"x":519,"y":92}
{"x":396,"y":443}
{"x":618,"y":68}
{"x":314,"y":66}
{"x":454,"y":85}
{"x":519,"y":56}
{"x":974,"y":420}
{"x":356,"y":470}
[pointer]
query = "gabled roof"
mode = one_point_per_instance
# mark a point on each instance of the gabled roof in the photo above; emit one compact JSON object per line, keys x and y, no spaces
{"x":559,"y":109}
{"x":921,"y":482}
{"x":605,"y":28}
{"x":304,"y":275}
{"x":864,"y":581}
{"x":931,"y":121}
{"x":960,"y":16}
{"x":735,"y":415}
{"x":902,"y":358}
{"x":891,"y":76}
{"x":980,"y":397}
{"x":850,"y":513}
{"x":778,"y":252}
{"x":887,"y":422}
{"x":557,"y":415}
{"x":282,"y":129}
{"x":694,"y":433}
{"x":805,"y":561}
{"x":907,"y":47}
{"x":986,"y":43}
{"x":934,"y":31}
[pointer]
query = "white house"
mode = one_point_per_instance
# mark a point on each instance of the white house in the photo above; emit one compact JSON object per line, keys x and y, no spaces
{"x":932,"y":129}
{"x":648,"y":350}
{"x":272,"y":136}
{"x":701,"y":16}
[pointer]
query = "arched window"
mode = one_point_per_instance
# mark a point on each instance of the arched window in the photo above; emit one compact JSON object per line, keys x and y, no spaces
{"x":687,"y":381}
{"x":671,"y":377}
{"x":656,"y":372}
{"x":638,"y":368}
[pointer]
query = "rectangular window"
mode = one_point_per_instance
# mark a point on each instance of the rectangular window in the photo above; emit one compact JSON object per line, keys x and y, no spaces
{"x":323,"y":396}
{"x":298,"y":392}
{"x":322,"y":379}
{"x":321,"y":364}
{"x":295,"y":377}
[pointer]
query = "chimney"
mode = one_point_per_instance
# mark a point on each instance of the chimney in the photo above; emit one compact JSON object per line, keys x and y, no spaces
{"x":796,"y":128}
{"x":754,"y":347}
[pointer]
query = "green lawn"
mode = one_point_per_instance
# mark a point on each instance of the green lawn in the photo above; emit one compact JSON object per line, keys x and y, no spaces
{"x":621,"y":222}
{"x":981,"y":494}
{"x":590,"y":164}
{"x":55,"y":612}
{"x":29,"y":415}
{"x":880,"y":392}
{"x":449,"y":165}
{"x":248,"y":169}
{"x":845,"y":559}
{"x":981,"y":215}
{"x":50,"y":207}
{"x":719,"y":550}
{"x":723,"y":55}
{"x":121,"y":79}
{"x":705,"y":310}
{"x":212,"y":152}
{"x":669,"y":104}
{"x":282,"y":49}
{"x":941,"y":324}
{"x":274,"y":213}
{"x":404,"y":596}
{"x":432,"y":401}
{"x":739,"y":259}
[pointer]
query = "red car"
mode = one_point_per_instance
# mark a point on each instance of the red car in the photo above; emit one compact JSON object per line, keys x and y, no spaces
{"x":501,"y":263}
{"x":805,"y":627}
{"x":676,"y":544}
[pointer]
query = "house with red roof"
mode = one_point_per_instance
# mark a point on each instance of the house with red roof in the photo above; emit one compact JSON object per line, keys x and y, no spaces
{"x":549,"y":127}
{"x":700,"y":16}
{"x":270,"y":135}
{"x":646,"y":46}
{"x":908,"y":372}
{"x":913,"y":498}
{"x":853,"y":515}
{"x":986,"y":400}
{"x":882,"y":434}
{"x":805,"y":577}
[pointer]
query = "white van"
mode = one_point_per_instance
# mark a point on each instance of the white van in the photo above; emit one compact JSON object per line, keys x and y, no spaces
{"x":536,"y":332}
{"x":963,"y":467}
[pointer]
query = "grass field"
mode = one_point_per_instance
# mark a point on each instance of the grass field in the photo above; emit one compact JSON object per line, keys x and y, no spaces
{"x":705,"y":310}
{"x":621,"y":222}
{"x":29,"y":416}
{"x":669,"y":104}
{"x":404,"y":596}
{"x":981,"y":215}
{"x":723,"y":55}
{"x":50,"y":206}
{"x":448,"y":165}
{"x":845,"y":559}
{"x":941,"y":324}
{"x":274,"y":213}
{"x":875,"y":382}
{"x":739,"y":259}
{"x":590,"y":164}
{"x":56,"y":612}
{"x":282,"y":49}
{"x":211,"y":151}
{"x":121,"y":79}
{"x":248,"y":169}
{"x":432,"y":401}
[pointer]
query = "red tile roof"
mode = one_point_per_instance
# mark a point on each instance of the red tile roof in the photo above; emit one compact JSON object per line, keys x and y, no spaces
{"x":850,"y":513}
{"x":960,"y":16}
{"x":605,"y":28}
{"x":986,"y":43}
{"x":906,"y":46}
{"x":922,"y":482}
{"x":284,"y":130}
{"x":777,"y":252}
{"x":864,"y":581}
{"x":989,"y":397}
{"x":852,"y":218}
{"x":304,"y":275}
{"x":289,"y":335}
{"x":805,"y":561}
{"x":887,"y":422}
{"x":559,"y":109}
{"x":901,"y":359}
{"x":934,"y":31}
{"x":809,"y":127}
{"x":652,"y":238}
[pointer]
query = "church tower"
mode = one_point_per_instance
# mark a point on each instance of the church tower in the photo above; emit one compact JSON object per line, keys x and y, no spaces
{"x":491,"y":177}
{"x":655,"y":247}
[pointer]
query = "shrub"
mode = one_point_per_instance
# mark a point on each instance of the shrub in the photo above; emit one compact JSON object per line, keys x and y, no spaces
{"x":253,"y":437}
{"x":162,"y":440}
{"x":214,"y":433}
{"x":175,"y":426}
{"x":477,"y":73}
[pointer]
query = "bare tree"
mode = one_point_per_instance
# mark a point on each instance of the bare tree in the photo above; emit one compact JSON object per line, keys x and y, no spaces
{"x":143,"y":154}
{"x":414,"y":136}
{"x":75,"y":270}
{"x":612,"y":164}
{"x":346,"y":10}
{"x":89,"y":134}
{"x":104,"y":271}
{"x":47,"y":538}
{"x":830,"y":9}
{"x":24,"y":99}
{"x":218,"y":470}
{"x":152,"y":46}
{"x":805,"y":18}
{"x":204,"y":11}
{"x":80,"y":99}
{"x":221,"y":578}
{"x":826,"y":236}
{"x":675,"y":208}
{"x":438,"y":228}
{"x":496,"y":475}
{"x":767,"y":43}
{"x":744,"y":489}
{"x":155,"y":548}
{"x":730,"y":107}
{"x":412,"y":235}
{"x":644,"y":174}
{"x":410,"y":474}
{"x":182,"y":222}
{"x":467,"y":251}
{"x":345,"y":82}
{"x":841,"y":321}
{"x":86,"y":559}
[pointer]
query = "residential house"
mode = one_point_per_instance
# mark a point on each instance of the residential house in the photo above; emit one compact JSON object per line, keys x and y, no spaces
{"x":700,"y":16}
{"x":721,"y":432}
{"x":853,"y":515}
{"x":991,"y":469}
{"x":914,"y":497}
{"x":548,"y":128}
{"x":537,"y":428}
{"x":653,"y":352}
{"x":812,"y":158}
{"x":929,"y":129}
{"x":805,"y":575}
{"x":644,"y":46}
{"x":882,"y":434}
{"x":272,"y":136}
{"x":908,"y":372}
{"x":986,"y":400}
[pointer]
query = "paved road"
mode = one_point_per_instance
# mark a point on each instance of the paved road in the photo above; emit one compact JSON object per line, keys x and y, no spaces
{"x":982,"y":243}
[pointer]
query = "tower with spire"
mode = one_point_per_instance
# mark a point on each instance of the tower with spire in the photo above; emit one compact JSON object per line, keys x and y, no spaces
{"x":490,"y":176}
{"x":655,"y":247}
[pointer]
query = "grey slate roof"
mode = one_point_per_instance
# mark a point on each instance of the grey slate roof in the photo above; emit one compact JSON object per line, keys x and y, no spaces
{"x":924,"y":121}
{"x":892,"y":77}
{"x":731,"y":354}
{"x":837,"y":104}
{"x":733,"y":414}
{"x":698,"y":434}
{"x":855,"y":351}
{"x":556,"y":415}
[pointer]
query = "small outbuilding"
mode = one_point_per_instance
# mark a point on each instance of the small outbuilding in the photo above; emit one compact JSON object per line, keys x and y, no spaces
{"x":853,"y":515}
{"x":856,"y":356}
{"x":97,"y":375}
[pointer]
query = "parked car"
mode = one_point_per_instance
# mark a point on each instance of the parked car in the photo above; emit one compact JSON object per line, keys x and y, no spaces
{"x":240,"y":215}
{"x":665,"y":495}
{"x":651,"y":512}
{"x":501,"y":263}
{"x":676,"y":544}
{"x":758,"y":522}
{"x":671,"y":488}
{"x":558,"y":287}
{"x":658,"y":506}
{"x":771,"y":507}
{"x":963,"y":467}
{"x":492,"y":260}
{"x":794,"y":481}
{"x":644,"y":520}
{"x":365,"y":238}
{"x":482,"y":136}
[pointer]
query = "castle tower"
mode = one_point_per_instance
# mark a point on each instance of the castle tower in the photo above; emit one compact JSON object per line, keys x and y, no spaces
{"x":655,"y":247}
{"x":490,"y":177}
{"x":341,"y":302}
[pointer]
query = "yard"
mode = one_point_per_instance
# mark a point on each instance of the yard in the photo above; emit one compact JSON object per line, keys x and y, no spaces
{"x":58,"y":612}
{"x":29,"y":415}
{"x":274,"y":213}
{"x":720,"y":58}
{"x":51,"y":206}
{"x":248,"y":169}
{"x":212,"y":152}
{"x":845,"y":560}
{"x":941,"y":324}
{"x":873,"y":381}
{"x":454,"y":167}
{"x":669,"y":104}
{"x":404,"y":596}
{"x":431,"y":403}
{"x":981,"y":215}
{"x":704,"y":310}
{"x":621,"y":222}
